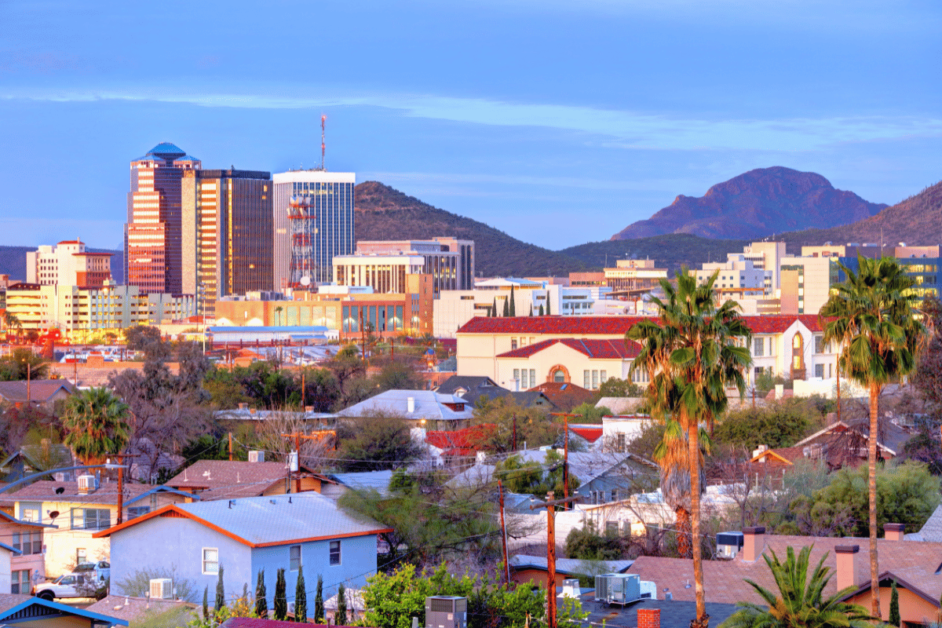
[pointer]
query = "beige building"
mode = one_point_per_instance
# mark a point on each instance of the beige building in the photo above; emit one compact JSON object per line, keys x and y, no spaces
{"x":737,"y":276}
{"x":634,"y":275}
{"x":806,"y":283}
{"x":67,"y":264}
{"x":383,"y":265}
{"x":766,"y":256}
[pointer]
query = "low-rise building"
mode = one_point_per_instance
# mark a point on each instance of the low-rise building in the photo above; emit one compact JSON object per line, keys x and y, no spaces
{"x":68,"y":264}
{"x":420,"y":408}
{"x":26,"y":564}
{"x":27,"y":611}
{"x":634,"y":276}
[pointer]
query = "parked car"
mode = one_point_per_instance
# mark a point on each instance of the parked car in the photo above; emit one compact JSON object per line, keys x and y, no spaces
{"x":100,"y":571}
{"x":65,"y":586}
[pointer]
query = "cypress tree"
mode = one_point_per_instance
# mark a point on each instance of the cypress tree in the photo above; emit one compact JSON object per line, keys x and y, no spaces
{"x":300,"y":598}
{"x":261,"y":596}
{"x":494,"y":308}
{"x":506,"y":308}
{"x":894,"y":606}
{"x":206,"y":603}
{"x":513,"y":304}
{"x":340,"y":619}
{"x":220,"y":592}
{"x":319,"y":601}
{"x":281,"y":599}
{"x":541,"y":310}
{"x":548,"y":303}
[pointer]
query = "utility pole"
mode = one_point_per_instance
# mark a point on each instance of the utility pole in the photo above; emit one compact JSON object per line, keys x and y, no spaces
{"x":551,"y":551}
{"x":303,"y":405}
{"x":121,"y":458}
{"x":515,"y":431}
{"x":29,"y":375}
{"x":230,"y":446}
{"x":298,"y":437}
{"x":565,"y":451}
{"x":503,"y":532}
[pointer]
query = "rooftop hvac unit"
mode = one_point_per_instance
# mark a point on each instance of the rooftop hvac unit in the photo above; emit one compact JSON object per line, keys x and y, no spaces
{"x":87,"y":483}
{"x":728,"y":544}
{"x":161,"y":589}
{"x":618,"y":588}
{"x":256,"y":456}
{"x":446,"y":611}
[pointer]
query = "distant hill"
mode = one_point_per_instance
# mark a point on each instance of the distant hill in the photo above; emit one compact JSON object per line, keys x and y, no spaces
{"x":669,"y":251}
{"x":384,"y":213}
{"x":916,"y":221}
{"x":757,"y":204}
{"x":13,"y":262}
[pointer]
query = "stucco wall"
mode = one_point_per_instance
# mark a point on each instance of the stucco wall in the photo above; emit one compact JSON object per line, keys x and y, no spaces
{"x":5,"y":558}
{"x":912,"y":608}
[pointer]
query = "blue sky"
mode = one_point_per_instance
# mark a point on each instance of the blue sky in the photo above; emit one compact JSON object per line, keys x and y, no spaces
{"x":558,"y":122}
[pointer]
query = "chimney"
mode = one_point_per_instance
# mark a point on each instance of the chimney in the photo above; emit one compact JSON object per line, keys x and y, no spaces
{"x":411,"y":402}
{"x":649,"y":618}
{"x":753,"y":543}
{"x":846,"y":566}
{"x":894,"y":531}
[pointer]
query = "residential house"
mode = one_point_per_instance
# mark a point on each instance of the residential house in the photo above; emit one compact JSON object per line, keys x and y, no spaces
{"x":355,"y":606}
{"x":245,"y":536}
{"x":534,"y":569}
{"x":586,"y":436}
{"x":420,"y":408}
{"x":458,"y":447}
{"x":913,"y":566}
{"x":618,"y":431}
{"x":620,"y":405}
{"x":32,"y":459}
{"x":140,"y":609}
{"x":38,"y":392}
{"x":27,"y":565}
{"x":76,"y":513}
{"x":477,"y":390}
{"x":931,"y":530}
{"x":565,"y":395}
{"x":32,"y":612}
{"x":7,"y":552}
{"x":228,"y":479}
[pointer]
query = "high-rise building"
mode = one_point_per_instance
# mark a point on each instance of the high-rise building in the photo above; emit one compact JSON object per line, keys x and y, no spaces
{"x":153,"y":249}
{"x":67,"y":264}
{"x":226,"y":234}
{"x":313,"y":222}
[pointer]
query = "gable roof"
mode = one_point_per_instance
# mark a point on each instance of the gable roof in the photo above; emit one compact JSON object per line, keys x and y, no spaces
{"x":456,"y":383}
{"x":40,"y":390}
{"x":594,"y":349}
{"x":565,"y":395}
{"x":428,"y":405}
{"x":464,"y":442}
{"x":931,"y":530}
{"x":15,"y":607}
{"x":590,"y":433}
{"x":892,"y":441}
{"x":267,"y":521}
{"x":225,"y":479}
{"x":67,"y":492}
{"x":614,"y":325}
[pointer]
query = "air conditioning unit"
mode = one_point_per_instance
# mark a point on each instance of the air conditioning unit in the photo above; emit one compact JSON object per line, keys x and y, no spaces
{"x":256,"y":456}
{"x":161,"y":589}
{"x":571,"y":588}
{"x":446,"y":611}
{"x":293,"y":461}
{"x":618,"y":588}
{"x":728,"y":544}
{"x":87,"y":484}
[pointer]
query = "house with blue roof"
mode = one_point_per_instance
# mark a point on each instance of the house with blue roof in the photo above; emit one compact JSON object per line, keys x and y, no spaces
{"x":244,"y":536}
{"x":23,"y":610}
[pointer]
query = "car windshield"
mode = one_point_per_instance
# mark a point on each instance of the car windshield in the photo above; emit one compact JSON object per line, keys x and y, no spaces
{"x":66,"y":580}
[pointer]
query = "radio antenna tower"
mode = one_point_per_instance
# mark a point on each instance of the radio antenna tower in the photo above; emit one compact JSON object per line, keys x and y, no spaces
{"x":323,"y":144}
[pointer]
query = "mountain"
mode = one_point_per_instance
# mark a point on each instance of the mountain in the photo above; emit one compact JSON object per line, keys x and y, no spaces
{"x":671,"y":251}
{"x":757,"y":204}
{"x":916,"y":221}
{"x":13,"y":262}
{"x":384,"y":213}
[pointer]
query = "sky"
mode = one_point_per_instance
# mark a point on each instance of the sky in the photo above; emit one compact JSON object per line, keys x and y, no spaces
{"x":557,"y":122}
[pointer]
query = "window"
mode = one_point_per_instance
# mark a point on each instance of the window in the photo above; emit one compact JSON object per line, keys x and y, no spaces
{"x":559,"y":377}
{"x":819,"y":370}
{"x":611,"y":528}
{"x":30,"y":512}
{"x":516,"y":376}
{"x":524,"y":380}
{"x":137,"y":511}
{"x":614,"y":494}
{"x":603,"y":375}
{"x":819,"y":344}
{"x":532,"y":377}
{"x":90,"y":519}
{"x":81,"y":556}
{"x":620,"y":442}
{"x":595,"y":380}
{"x":513,"y":344}
{"x":586,"y":379}
{"x":335,"y":552}
{"x":210,"y":560}
{"x":294,"y":553}
{"x":758,"y":347}
{"x":19,"y":582}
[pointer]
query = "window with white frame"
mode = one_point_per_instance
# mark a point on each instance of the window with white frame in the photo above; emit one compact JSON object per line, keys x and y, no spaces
{"x":586,"y":379}
{"x":30,"y":511}
{"x":294,"y":553}
{"x":819,"y":344}
{"x":758,"y":347}
{"x":19,"y":582}
{"x":335,"y":552}
{"x":210,"y":560}
{"x":516,"y":376}
{"x":532,"y":377}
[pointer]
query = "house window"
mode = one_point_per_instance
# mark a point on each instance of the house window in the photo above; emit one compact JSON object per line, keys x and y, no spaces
{"x":819,"y":344}
{"x":294,"y":553}
{"x":819,"y":370}
{"x":91,"y":518}
{"x":524,"y":380}
{"x":513,"y":344}
{"x":595,"y":380}
{"x":611,"y":528}
{"x":81,"y":556}
{"x":30,"y":512}
{"x":758,"y":347}
{"x":559,"y":377}
{"x":533,"y":377}
{"x":19,"y":582}
{"x":210,"y":560}
{"x":516,"y":376}
{"x":614,"y":494}
{"x":137,"y":511}
{"x":586,"y":379}
{"x":620,"y":439}
{"x":28,"y":542}
{"x":603,"y":376}
{"x":335,"y":552}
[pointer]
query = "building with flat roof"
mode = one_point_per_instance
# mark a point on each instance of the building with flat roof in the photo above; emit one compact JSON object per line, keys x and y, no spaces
{"x":313,"y":220}
{"x":737,"y":276}
{"x":634,"y":275}
{"x":383,"y":265}
{"x":67,"y":263}
{"x":226,"y":233}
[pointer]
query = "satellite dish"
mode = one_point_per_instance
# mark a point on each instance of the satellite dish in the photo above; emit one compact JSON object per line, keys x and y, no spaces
{"x":53,"y":515}
{"x":305,"y":281}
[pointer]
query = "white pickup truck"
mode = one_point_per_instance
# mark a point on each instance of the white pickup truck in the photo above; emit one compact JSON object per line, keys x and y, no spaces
{"x":66,"y":586}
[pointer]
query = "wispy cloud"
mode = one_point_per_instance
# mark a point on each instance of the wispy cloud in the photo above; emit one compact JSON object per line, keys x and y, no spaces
{"x":624,"y":128}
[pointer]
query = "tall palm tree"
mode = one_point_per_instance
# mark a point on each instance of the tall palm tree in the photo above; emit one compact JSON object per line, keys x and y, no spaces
{"x":872,"y":313}
{"x":800,"y":601}
{"x":671,"y":456}
{"x":693,"y":353}
{"x":96,"y":424}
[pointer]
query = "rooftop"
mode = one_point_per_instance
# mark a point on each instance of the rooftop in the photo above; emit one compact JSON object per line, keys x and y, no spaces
{"x":570,"y":566}
{"x":135,"y":608}
{"x":67,"y":492}
{"x":565,"y":395}
{"x":614,"y":325}
{"x":224,"y":479}
{"x":428,"y":405}
{"x":15,"y":608}
{"x":166,"y":150}
{"x":40,"y":390}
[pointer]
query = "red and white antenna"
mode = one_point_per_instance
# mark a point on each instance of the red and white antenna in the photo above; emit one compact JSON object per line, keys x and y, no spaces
{"x":323,"y":144}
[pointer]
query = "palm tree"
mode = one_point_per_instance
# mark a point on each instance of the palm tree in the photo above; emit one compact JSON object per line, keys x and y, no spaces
{"x":800,"y":601}
{"x":671,"y":456}
{"x":692,"y":354}
{"x":96,"y":424}
{"x":872,"y":316}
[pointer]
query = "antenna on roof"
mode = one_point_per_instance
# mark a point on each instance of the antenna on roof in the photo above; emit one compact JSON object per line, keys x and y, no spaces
{"x":323,"y":143}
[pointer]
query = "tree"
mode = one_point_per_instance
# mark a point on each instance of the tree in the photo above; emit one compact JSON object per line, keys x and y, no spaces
{"x":800,"y":601}
{"x":206,"y":603}
{"x":281,"y":596}
{"x":300,"y":599}
{"x":22,"y":364}
{"x":376,"y":442}
{"x":220,"y":592}
{"x":399,"y":375}
{"x":148,"y":341}
{"x":261,"y":596}
{"x":548,"y":303}
{"x":506,"y":308}
{"x":319,"y":600}
{"x":346,"y":367}
{"x":532,"y":425}
{"x":541,"y":310}
{"x":872,"y":320}
{"x":614,"y":387}
{"x":96,"y":424}
{"x":533,"y":478}
{"x":894,"y":619}
{"x":494,"y":307}
{"x":340,"y":617}
{"x":587,"y":544}
{"x":696,"y":351}
{"x":513,"y":304}
{"x":779,"y":424}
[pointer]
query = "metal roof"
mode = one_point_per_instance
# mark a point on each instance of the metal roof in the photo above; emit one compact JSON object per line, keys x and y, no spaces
{"x":297,"y":329}
{"x":570,"y":565}
{"x":366,"y":480}
{"x":428,"y":405}
{"x":166,"y":150}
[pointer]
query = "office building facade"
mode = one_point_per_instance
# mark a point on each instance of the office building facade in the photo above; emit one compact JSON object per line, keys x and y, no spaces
{"x":383,"y":264}
{"x":69,"y":264}
{"x":226,"y":233}
{"x":313,"y":221}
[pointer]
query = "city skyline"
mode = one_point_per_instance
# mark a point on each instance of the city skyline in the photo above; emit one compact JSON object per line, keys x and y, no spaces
{"x":516,"y":114}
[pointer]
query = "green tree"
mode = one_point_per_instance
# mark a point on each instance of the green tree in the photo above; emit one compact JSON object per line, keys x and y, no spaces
{"x":541,"y":310}
{"x":319,"y":600}
{"x":692,"y":356}
{"x":533,"y":478}
{"x":513,"y":304}
{"x":548,"y":313}
{"x":494,"y":307}
{"x":300,"y":599}
{"x":587,"y":544}
{"x":894,"y":619}
{"x":374,"y":443}
{"x":779,"y":424}
{"x":220,"y":592}
{"x":280,"y":602}
{"x":800,"y":601}
{"x":22,"y":363}
{"x":398,"y":375}
{"x":340,"y":617}
{"x":96,"y":424}
{"x":261,"y":596}
{"x":533,"y":427}
{"x":506,"y":308}
{"x":872,"y":319}
{"x":206,"y":603}
{"x":614,"y":387}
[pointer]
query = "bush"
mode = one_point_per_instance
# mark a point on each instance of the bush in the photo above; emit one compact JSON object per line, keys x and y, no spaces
{"x":587,"y":544}
{"x":777,"y":425}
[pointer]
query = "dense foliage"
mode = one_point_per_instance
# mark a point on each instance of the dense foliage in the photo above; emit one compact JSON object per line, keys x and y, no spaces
{"x":779,"y":424}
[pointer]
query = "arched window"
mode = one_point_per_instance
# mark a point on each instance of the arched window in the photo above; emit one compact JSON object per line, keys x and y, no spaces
{"x":559,"y":377}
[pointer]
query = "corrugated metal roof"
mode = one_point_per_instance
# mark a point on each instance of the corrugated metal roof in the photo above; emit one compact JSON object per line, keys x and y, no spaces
{"x":367,"y":480}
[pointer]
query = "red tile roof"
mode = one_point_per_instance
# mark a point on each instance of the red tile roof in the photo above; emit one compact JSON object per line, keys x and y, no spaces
{"x":566,"y":395}
{"x":463,"y":442}
{"x":613,"y":325}
{"x":591,"y":434}
{"x":594,"y":349}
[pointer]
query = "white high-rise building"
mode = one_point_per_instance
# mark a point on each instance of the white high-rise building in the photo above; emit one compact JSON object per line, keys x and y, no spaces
{"x":313,"y":222}
{"x":67,"y":264}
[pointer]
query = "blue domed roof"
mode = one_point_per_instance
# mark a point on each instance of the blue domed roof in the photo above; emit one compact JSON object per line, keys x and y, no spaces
{"x":166,"y":150}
